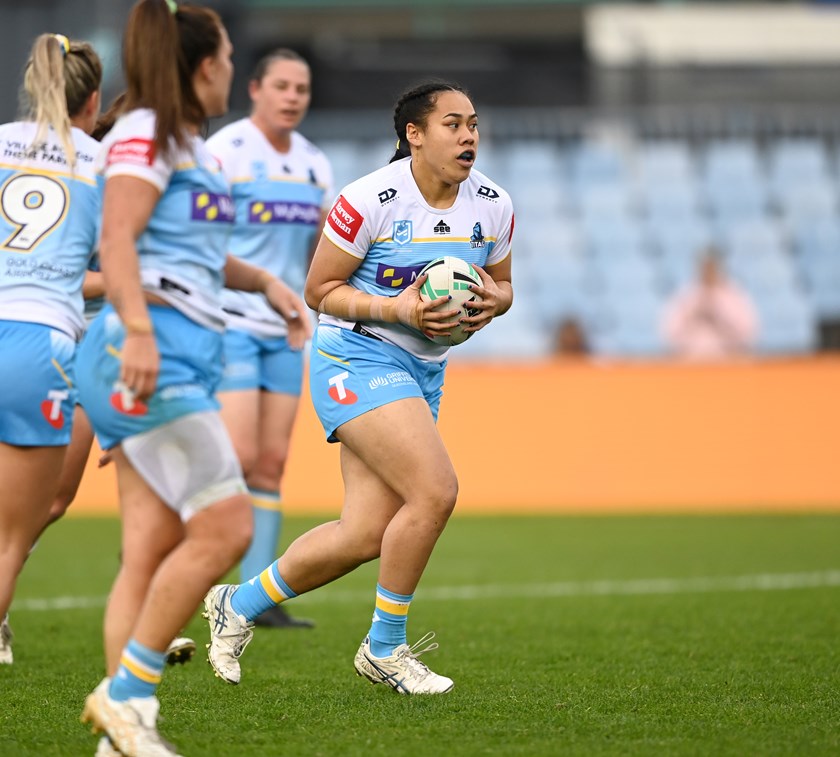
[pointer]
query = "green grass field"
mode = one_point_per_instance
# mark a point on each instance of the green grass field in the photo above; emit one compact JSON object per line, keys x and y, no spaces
{"x":565,"y":636}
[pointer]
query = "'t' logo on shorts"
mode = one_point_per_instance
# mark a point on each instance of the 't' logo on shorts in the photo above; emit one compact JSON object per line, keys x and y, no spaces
{"x":338,"y":391}
{"x":51,"y":407}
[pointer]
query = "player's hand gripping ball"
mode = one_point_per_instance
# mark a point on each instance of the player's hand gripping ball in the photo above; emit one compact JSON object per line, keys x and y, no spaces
{"x":451,"y":276}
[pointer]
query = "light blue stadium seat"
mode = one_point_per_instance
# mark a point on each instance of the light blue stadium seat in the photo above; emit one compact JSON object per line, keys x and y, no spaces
{"x":735,"y":202}
{"x":601,"y":202}
{"x":821,"y":271}
{"x":765,"y":274}
{"x":754,"y":238}
{"x":633,"y":271}
{"x":807,"y":200}
{"x":634,"y":330}
{"x":787,"y":323}
{"x":815,"y":237}
{"x":797,"y":161}
{"x":596,"y":163}
{"x":670,"y":201}
{"x":731,"y":161}
{"x":615,"y":237}
{"x":665,"y":162}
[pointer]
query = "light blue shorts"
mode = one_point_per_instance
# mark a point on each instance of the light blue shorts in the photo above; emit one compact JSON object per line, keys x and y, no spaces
{"x":252,"y":362}
{"x":37,"y":394}
{"x":350,"y":374}
{"x":190,"y":369}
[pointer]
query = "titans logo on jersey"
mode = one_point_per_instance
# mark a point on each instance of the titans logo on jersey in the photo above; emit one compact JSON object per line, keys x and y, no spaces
{"x":394,"y":233}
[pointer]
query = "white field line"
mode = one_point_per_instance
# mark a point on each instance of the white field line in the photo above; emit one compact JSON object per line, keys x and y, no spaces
{"x":603,"y":588}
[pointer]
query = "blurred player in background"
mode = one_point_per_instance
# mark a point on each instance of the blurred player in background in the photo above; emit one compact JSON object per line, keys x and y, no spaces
{"x":376,"y":380}
{"x":51,"y":203}
{"x":151,"y":360}
{"x":282,"y":187}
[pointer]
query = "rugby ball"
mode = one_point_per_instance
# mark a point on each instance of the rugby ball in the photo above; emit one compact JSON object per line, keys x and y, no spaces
{"x":451,"y":276}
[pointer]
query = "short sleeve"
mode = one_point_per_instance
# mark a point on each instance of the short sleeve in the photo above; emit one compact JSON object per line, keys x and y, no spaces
{"x":129,"y":150}
{"x":348,"y":224}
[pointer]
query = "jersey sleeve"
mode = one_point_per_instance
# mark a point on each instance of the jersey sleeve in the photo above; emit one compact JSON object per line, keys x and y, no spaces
{"x":221,"y":147}
{"x":129,"y":150}
{"x":348,"y":222}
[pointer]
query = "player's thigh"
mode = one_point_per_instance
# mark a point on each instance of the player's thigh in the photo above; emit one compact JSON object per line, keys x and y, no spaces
{"x":276,"y":421}
{"x":369,"y":503}
{"x":77,"y":456}
{"x":29,"y":476}
{"x":150,"y":529}
{"x":400,"y":441}
{"x":241,"y":415}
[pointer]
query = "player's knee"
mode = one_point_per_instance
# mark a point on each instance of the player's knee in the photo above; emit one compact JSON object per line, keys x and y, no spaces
{"x":268,"y":469}
{"x":248,"y":459}
{"x":443,"y":496}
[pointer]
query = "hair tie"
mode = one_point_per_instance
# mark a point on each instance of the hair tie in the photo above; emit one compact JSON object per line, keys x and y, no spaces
{"x":398,"y":143}
{"x":172,"y":5}
{"x":64,"y":43}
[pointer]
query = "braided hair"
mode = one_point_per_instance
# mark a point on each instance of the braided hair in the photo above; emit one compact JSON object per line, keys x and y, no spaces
{"x":414,"y":107}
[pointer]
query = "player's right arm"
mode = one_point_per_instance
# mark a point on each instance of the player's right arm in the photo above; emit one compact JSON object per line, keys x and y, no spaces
{"x":327,"y":291}
{"x":127,"y":207}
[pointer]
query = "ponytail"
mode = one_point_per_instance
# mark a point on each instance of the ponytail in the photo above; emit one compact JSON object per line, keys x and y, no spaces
{"x":59,"y":79}
{"x":163,"y":45}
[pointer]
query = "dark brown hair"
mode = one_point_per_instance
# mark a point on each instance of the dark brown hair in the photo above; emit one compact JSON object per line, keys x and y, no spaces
{"x":161,"y":52}
{"x":281,"y":53}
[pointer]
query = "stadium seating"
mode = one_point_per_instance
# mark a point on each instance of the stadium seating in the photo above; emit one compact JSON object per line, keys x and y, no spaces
{"x":608,"y":228}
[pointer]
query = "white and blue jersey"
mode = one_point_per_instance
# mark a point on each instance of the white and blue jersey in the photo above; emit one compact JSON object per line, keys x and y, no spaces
{"x":181,"y":255}
{"x":183,"y":249}
{"x":383,"y":220}
{"x":279,"y":199}
{"x":49,"y":216}
{"x":49,"y":221}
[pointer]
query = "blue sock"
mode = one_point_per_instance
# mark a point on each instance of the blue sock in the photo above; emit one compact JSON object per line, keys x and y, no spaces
{"x":387,"y":630}
{"x":139,"y":672}
{"x":262,"y":592}
{"x":268,"y":522}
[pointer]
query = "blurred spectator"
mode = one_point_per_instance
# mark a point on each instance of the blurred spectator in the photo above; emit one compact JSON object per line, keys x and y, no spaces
{"x":570,"y":339}
{"x":712,"y":318}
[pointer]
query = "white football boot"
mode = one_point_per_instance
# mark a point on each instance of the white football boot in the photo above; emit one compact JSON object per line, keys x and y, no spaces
{"x":402,"y":671}
{"x":130,"y":725}
{"x":6,"y":636}
{"x":180,"y":651}
{"x":229,"y":633}
{"x":106,"y":749}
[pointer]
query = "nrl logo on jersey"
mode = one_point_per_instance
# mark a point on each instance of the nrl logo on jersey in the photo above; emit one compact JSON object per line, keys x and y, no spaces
{"x":403,"y":232}
{"x":488,"y":193}
{"x":387,"y":196}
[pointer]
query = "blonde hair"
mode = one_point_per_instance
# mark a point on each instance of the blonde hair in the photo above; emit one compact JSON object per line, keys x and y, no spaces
{"x":59,"y":78}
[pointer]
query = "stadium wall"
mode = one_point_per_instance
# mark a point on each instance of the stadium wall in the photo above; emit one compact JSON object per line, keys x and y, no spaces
{"x":607,"y":438}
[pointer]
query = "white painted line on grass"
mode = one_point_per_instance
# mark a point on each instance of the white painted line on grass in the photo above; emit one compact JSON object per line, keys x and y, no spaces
{"x":603,"y":588}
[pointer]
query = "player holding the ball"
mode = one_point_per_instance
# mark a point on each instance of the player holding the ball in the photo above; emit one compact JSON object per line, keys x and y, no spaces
{"x":376,"y":377}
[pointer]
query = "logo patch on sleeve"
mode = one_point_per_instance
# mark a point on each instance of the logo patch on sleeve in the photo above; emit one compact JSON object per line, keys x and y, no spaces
{"x":138,"y":152}
{"x":345,"y":220}
{"x":213,"y":207}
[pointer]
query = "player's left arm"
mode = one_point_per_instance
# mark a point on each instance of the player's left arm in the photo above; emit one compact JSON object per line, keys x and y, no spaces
{"x":249,"y":278}
{"x":496,"y":293}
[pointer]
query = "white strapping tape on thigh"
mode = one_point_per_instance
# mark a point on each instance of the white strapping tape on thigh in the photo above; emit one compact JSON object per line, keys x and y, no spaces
{"x":190,"y":463}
